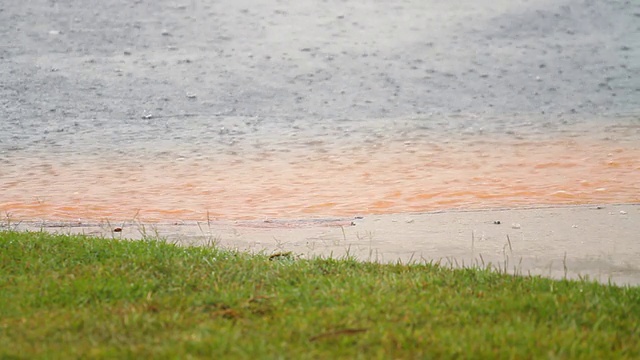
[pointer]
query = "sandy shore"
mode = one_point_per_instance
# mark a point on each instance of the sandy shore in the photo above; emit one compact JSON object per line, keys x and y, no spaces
{"x":601,"y":242}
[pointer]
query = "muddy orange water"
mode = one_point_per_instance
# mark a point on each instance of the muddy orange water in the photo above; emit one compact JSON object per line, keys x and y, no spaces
{"x":329,"y":179}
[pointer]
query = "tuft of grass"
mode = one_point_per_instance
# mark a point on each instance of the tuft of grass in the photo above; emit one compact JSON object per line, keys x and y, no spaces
{"x":78,"y":297}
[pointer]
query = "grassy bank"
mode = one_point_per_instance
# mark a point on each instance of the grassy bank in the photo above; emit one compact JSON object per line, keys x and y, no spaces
{"x":74,"y":296}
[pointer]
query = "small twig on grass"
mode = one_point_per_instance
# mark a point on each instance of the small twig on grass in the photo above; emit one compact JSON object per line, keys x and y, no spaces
{"x":348,"y":253}
{"x":411,"y":258}
{"x":281,"y":255}
{"x":518,"y":270}
{"x":473,"y":241}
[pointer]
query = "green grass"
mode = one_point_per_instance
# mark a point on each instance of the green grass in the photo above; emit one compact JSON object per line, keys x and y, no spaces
{"x":76,"y":296}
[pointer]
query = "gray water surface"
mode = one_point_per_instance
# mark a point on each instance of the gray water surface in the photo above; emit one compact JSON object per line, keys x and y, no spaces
{"x":181,"y":78}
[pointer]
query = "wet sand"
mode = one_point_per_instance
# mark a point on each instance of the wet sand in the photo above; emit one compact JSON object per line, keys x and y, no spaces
{"x":598,"y":242}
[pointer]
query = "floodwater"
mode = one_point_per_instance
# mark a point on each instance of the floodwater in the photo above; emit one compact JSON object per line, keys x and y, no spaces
{"x":338,"y":168}
{"x":238,"y":109}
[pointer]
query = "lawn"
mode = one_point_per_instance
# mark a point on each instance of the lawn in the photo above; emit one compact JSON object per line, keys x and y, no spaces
{"x":79,"y":297}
